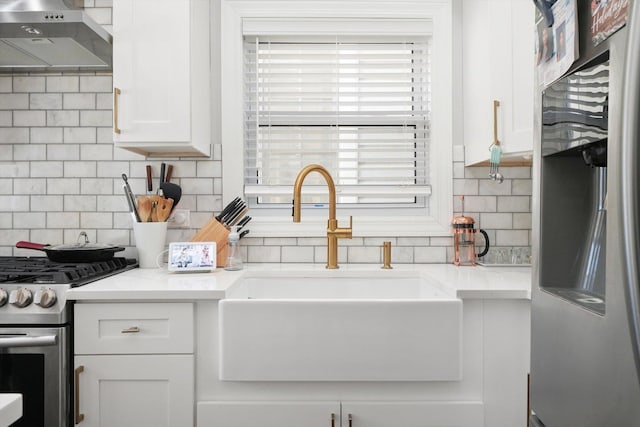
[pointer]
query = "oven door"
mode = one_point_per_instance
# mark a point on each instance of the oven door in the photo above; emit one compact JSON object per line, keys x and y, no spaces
{"x":35,"y":362}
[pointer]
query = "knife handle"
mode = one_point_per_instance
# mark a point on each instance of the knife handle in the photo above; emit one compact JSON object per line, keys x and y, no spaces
{"x":149,"y":181}
{"x":169,"y":172}
{"x":162,"y":169}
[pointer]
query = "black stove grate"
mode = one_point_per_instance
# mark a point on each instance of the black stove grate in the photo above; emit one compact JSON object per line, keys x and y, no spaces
{"x":40,"y":270}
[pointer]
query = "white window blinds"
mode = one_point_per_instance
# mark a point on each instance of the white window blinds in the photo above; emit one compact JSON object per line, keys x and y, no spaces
{"x":358,"y":106}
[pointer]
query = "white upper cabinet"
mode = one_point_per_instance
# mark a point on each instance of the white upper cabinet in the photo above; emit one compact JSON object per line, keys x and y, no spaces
{"x":161,"y":72}
{"x":498,"y":64}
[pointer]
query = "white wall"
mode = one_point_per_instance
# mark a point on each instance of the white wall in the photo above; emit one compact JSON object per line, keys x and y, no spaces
{"x":60,"y":174}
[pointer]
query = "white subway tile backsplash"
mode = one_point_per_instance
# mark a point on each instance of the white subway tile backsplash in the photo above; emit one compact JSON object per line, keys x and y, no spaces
{"x":104,"y":101}
{"x":96,"y":220}
{"x":6,"y":118}
{"x":99,"y":186}
{"x":263,"y":253}
{"x":522,"y":221}
{"x":29,"y":118}
{"x":512,"y":238}
{"x":14,"y":136}
{"x":14,"y":203}
{"x":362,"y":254}
{"x":63,"y":186}
{"x":63,"y":84}
{"x":6,"y":220}
{"x":63,"y":219}
{"x":112,"y":203}
{"x":45,"y":101}
{"x":96,"y":84}
{"x":514,"y":203}
{"x":14,"y":169}
{"x":46,"y":136}
{"x":29,"y":186}
{"x":494,"y":188}
{"x":45,"y":169}
{"x":44,"y":204}
{"x":32,"y":152}
{"x":480,"y":204}
{"x":100,"y":152}
{"x":14,"y":101}
{"x":80,"y":136}
{"x":80,"y":203}
{"x":297,"y":254}
{"x":197,"y":185}
{"x":521,"y":187}
{"x":28,"y":84}
{"x":466,"y":187}
{"x":6,"y":84}
{"x":63,"y":118}
{"x":79,"y":101}
{"x":56,"y":129}
{"x":495,"y":220}
{"x":6,"y":186}
{"x":95,"y":118}
{"x":29,"y":220}
{"x":80,"y":169}
{"x":11,"y":237}
{"x":430,"y":255}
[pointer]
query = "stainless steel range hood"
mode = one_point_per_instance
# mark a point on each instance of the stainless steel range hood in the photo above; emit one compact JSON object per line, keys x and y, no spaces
{"x":51,"y":35}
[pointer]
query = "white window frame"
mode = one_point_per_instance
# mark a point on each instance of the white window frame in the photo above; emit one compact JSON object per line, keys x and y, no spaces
{"x":389,"y":12}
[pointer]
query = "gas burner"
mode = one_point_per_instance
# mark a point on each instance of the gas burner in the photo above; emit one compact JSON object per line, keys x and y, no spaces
{"x":40,"y":270}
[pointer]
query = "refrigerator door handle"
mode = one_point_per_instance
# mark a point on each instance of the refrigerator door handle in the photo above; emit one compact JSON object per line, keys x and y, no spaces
{"x":630,"y":177}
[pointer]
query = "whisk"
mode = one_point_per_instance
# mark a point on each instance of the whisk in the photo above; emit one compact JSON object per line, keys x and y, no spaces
{"x":495,"y":149}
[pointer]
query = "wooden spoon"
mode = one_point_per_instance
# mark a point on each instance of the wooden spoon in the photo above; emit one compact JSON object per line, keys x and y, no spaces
{"x":144,"y":208}
{"x":163,"y":209}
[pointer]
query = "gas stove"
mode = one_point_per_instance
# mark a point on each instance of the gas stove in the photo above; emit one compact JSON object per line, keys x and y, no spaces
{"x":32,"y":289}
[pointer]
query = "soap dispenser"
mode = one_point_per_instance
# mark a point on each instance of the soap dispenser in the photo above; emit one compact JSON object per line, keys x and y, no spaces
{"x":234,"y":258}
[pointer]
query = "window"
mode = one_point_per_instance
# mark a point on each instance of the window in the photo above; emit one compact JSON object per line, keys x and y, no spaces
{"x":357,"y":105}
{"x":334,"y":83}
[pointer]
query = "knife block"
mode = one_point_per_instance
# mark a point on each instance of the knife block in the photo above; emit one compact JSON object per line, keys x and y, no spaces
{"x":213,"y":231}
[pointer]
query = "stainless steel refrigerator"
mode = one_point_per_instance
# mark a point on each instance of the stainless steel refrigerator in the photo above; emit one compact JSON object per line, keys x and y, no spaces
{"x":585,"y":294}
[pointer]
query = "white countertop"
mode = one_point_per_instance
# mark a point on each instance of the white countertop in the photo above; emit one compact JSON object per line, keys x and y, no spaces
{"x":159,"y":284}
{"x":10,"y":408}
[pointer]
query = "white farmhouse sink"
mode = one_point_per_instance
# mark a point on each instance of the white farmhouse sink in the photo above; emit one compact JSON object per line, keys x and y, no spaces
{"x":340,"y":326}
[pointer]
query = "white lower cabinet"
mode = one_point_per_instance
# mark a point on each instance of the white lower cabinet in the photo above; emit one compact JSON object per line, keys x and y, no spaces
{"x":340,"y":414}
{"x":135,"y":391}
{"x":269,"y":414}
{"x":134,"y":365}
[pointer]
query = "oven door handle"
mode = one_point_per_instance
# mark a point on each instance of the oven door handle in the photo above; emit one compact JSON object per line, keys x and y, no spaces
{"x":45,"y":340}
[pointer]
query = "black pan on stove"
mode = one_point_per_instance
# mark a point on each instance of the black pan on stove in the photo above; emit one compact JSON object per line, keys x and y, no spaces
{"x":78,"y":252}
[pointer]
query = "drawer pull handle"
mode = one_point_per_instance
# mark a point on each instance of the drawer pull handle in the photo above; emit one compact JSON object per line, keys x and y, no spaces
{"x":116,"y":95}
{"x":131,"y":330}
{"x":79,"y":417}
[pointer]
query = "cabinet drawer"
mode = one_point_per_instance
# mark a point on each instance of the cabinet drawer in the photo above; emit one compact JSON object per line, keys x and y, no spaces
{"x":127,"y":328}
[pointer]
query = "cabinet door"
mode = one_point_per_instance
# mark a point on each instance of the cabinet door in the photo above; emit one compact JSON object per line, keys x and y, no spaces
{"x":498,"y":64}
{"x":151,"y":68}
{"x":135,"y":391}
{"x":412,"y":414}
{"x":269,"y":414}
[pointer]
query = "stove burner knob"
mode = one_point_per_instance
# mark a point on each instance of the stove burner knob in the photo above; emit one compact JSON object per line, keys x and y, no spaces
{"x":45,"y":297}
{"x":3,"y":297}
{"x":20,"y":297}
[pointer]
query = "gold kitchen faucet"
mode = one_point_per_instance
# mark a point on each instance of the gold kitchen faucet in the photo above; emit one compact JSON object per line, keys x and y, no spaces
{"x":333,"y":231}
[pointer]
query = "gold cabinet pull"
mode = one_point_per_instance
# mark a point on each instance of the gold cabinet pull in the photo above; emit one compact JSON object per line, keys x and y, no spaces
{"x":131,"y":330}
{"x":78,"y":416}
{"x":333,"y":420}
{"x":350,"y":420}
{"x":116,"y":96}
